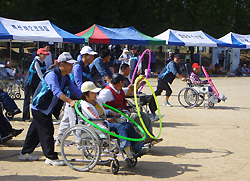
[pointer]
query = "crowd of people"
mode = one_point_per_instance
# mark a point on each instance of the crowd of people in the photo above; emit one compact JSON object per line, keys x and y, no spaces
{"x":48,"y":84}
{"x":94,"y":79}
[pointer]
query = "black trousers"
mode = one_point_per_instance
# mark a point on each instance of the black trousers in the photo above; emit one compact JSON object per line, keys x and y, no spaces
{"x":41,"y":130}
{"x":151,"y":102}
{"x":5,"y":126}
{"x":28,"y":92}
{"x":162,"y":85}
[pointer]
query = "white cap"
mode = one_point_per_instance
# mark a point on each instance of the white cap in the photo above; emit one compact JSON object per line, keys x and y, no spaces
{"x":169,"y":52}
{"x":66,"y":57}
{"x":87,"y":50}
{"x":89,"y":86}
{"x":125,"y":50}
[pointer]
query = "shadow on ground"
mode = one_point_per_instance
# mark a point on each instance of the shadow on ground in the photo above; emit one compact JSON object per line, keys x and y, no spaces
{"x":173,"y":125}
{"x":182,"y":151}
{"x":34,"y":177}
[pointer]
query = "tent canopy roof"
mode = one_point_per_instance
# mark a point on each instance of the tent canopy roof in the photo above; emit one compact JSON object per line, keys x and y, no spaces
{"x":35,"y":31}
{"x":237,"y":40}
{"x":190,"y":38}
{"x":114,"y":36}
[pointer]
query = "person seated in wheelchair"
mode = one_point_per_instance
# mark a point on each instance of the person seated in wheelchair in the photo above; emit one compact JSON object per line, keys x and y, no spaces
{"x":147,"y":99}
{"x":8,"y":66}
{"x":8,"y":104}
{"x":195,"y":78}
{"x":114,"y":95}
{"x":91,"y":107}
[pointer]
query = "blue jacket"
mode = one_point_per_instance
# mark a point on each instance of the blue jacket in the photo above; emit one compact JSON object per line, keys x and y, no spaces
{"x":80,"y":73}
{"x":169,"y":72}
{"x":46,"y":98}
{"x":133,"y":61}
{"x":32,"y":78}
{"x":98,"y":69}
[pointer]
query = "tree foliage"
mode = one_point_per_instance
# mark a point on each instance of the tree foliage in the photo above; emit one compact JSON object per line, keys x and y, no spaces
{"x":152,"y":17}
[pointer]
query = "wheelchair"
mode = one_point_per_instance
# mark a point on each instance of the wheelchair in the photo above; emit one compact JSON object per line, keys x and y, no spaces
{"x":193,"y":96}
{"x":83,"y":147}
{"x":11,"y":85}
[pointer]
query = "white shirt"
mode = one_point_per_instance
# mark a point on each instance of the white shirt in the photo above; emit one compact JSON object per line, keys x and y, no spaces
{"x":48,"y":60}
{"x":107,"y":96}
{"x":11,"y":72}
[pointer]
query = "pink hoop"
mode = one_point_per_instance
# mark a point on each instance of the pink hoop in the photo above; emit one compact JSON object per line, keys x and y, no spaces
{"x":210,"y":82}
{"x":149,"y":62}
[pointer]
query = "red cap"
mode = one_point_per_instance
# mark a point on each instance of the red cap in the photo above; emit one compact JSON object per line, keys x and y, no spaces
{"x":196,"y":65}
{"x":42,"y":50}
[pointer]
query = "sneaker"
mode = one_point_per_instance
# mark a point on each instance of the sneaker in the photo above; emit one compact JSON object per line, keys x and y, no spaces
{"x":155,"y":118}
{"x":17,"y":132}
{"x":155,"y":141}
{"x":28,"y":157}
{"x":56,"y":162}
{"x":167,"y":104}
{"x":144,"y":150}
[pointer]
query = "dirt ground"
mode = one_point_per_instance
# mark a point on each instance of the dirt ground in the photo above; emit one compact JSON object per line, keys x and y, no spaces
{"x":199,"y":144}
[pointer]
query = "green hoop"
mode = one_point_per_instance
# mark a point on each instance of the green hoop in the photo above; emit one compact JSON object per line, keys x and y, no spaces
{"x":108,"y":132}
{"x":138,"y":109}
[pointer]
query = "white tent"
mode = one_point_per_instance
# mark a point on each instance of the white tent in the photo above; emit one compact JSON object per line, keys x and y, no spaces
{"x":237,"y":40}
{"x":20,"y":31}
{"x":190,"y":38}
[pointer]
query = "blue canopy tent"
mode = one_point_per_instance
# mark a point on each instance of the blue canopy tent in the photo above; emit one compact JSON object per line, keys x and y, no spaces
{"x":29,"y":31}
{"x":190,"y":38}
{"x":237,"y":40}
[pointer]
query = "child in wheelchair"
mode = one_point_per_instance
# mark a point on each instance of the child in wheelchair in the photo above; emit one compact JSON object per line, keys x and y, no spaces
{"x":91,"y":107}
{"x":195,"y":78}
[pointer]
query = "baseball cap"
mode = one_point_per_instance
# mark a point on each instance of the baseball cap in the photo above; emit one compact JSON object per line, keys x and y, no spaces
{"x":87,"y":50}
{"x":245,"y":65}
{"x":195,"y":65}
{"x":169,"y":52}
{"x":43,"y":51}
{"x":66,"y":57}
{"x":125,"y":50}
{"x":89,"y":86}
{"x":177,"y":56}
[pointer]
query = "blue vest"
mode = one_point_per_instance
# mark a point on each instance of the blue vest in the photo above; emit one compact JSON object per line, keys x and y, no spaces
{"x":32,"y":79}
{"x":166,"y":73}
{"x":43,"y":97}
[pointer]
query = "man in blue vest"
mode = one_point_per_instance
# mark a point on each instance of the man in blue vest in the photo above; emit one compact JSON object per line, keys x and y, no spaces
{"x":48,"y":99}
{"x":167,"y":76}
{"x":32,"y":79}
{"x":99,"y":68}
{"x":80,"y":74}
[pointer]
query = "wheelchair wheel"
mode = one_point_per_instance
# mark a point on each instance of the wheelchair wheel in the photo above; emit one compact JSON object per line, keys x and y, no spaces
{"x":17,"y":95}
{"x":131,"y":162}
{"x":188,"y":97}
{"x":114,"y":166}
{"x":132,"y":106}
{"x":84,"y":151}
{"x":201,"y":100}
{"x":210,"y":105}
{"x":9,"y":115}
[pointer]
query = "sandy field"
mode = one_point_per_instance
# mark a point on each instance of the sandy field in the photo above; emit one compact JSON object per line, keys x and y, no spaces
{"x":199,"y":144}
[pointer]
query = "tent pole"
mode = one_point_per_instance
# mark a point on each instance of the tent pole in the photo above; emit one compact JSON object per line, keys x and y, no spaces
{"x":55,"y":49}
{"x":165,"y":48}
{"x":10,"y":49}
{"x":200,"y":55}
